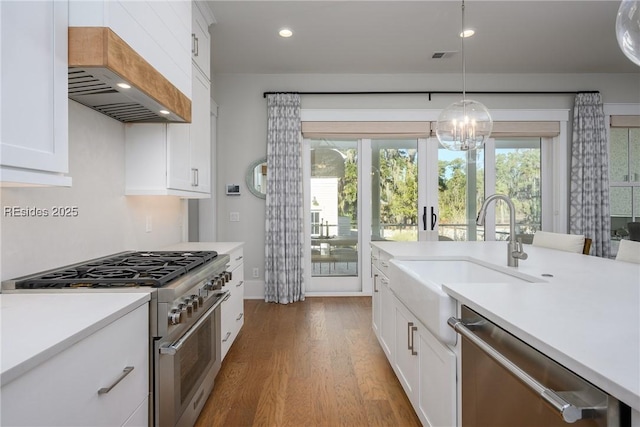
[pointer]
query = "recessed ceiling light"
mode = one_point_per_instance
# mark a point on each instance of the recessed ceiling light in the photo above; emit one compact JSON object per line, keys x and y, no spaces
{"x":467,"y":33}
{"x":124,"y":86}
{"x":285,"y":32}
{"x":165,"y":112}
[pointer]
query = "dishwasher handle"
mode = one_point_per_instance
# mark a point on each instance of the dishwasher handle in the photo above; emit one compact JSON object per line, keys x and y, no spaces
{"x":569,"y":411}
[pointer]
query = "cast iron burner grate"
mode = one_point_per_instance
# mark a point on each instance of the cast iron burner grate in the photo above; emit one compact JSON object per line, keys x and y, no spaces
{"x":129,"y":269}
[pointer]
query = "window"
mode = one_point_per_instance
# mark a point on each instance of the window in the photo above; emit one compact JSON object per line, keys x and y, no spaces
{"x":624,"y":178}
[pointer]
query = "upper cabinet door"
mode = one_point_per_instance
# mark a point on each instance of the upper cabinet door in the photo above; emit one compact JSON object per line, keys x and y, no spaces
{"x":201,"y":40}
{"x":34,"y":119}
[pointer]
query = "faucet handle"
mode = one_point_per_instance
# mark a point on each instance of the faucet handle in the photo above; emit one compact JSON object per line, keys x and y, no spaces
{"x":519,"y":253}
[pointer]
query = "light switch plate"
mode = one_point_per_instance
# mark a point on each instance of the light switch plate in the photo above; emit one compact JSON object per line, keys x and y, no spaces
{"x":234,"y":216}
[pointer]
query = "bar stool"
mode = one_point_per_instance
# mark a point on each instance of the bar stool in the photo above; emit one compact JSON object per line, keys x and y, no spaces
{"x":629,"y":251}
{"x":575,"y":243}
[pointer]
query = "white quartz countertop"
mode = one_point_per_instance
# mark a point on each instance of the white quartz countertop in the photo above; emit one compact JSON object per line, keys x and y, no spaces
{"x":220,"y":247}
{"x":36,"y":326}
{"x":586,"y":316}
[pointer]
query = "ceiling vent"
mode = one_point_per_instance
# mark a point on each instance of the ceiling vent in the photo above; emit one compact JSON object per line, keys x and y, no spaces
{"x":100,"y":61}
{"x":443,"y":54}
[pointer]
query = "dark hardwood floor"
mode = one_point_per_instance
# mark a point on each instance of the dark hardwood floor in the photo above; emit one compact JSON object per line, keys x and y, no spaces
{"x":311,"y":363}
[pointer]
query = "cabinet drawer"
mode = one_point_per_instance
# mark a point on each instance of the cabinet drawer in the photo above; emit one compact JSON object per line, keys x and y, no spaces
{"x":233,"y":310}
{"x":64,"y":390}
{"x":380,"y":259}
{"x":236,"y":259}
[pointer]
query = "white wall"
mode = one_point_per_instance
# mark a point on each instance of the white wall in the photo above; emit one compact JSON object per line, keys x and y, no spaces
{"x":241,"y":136}
{"x":107,"y":221}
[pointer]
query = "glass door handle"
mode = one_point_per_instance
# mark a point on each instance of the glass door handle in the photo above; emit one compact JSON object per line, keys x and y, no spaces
{"x":434,"y":218}
{"x":424,"y":219}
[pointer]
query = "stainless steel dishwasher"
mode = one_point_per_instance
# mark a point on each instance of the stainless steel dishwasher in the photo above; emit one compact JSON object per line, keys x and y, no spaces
{"x":507,"y":383}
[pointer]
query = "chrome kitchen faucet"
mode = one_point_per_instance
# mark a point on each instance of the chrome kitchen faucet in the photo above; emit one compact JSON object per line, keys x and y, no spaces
{"x":514,"y":249}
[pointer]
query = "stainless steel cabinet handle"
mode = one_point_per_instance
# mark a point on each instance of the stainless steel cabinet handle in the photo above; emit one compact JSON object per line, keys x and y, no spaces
{"x":384,"y":280}
{"x":413,"y":340}
{"x":375,"y":283}
{"x":226,"y":337}
{"x":384,"y":264}
{"x":409,"y":345}
{"x":194,"y":44}
{"x":126,"y":371}
{"x":240,"y":283}
{"x":239,"y":316}
{"x":195,"y":177}
{"x":569,"y":412}
{"x":226,"y":298}
{"x":239,"y":258}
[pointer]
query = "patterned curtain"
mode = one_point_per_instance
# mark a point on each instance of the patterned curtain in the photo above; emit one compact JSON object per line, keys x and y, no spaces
{"x":589,"y":210}
{"x":284,"y":203}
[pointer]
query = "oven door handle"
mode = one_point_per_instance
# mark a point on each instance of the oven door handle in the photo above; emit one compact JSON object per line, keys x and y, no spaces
{"x":569,"y":411}
{"x":175,"y":347}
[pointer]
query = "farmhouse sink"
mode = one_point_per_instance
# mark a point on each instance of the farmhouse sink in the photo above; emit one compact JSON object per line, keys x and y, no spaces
{"x":418,"y":284}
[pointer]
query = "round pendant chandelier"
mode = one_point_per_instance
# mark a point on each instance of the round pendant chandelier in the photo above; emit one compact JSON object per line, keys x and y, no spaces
{"x":464,"y":125}
{"x":628,"y":29}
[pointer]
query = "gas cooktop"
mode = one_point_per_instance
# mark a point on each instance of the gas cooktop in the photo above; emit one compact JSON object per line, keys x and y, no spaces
{"x":126,"y":269}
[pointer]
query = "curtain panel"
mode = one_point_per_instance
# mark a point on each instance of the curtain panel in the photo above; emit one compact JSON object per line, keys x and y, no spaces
{"x":589,"y":199}
{"x":284,"y":238}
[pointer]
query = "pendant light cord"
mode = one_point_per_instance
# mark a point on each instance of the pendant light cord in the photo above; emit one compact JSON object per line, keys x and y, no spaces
{"x":464,"y":82}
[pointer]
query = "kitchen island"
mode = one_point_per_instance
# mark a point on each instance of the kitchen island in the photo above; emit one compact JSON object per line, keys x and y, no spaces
{"x":67,"y":354}
{"x":581,"y":311}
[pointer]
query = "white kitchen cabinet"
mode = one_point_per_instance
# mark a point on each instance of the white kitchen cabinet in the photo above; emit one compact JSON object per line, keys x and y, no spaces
{"x":437,"y":380}
{"x":200,"y":136}
{"x":232,"y":309}
{"x":33,"y":37}
{"x":383,"y":322}
{"x":171,"y":159}
{"x":200,"y":38}
{"x":426,"y":369}
{"x":65,"y":390}
{"x":406,"y":362}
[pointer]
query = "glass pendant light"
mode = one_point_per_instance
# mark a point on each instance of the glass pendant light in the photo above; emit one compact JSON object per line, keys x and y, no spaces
{"x":628,"y":29}
{"x":464,"y":125}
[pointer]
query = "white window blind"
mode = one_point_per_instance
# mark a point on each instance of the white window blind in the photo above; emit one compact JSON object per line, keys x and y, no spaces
{"x":418,"y":129}
{"x":625,"y":121}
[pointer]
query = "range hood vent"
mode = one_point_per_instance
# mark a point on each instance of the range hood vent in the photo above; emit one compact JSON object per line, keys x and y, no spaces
{"x":99,"y":61}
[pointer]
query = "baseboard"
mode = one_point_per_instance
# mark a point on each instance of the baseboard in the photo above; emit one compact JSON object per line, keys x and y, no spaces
{"x":254,"y":289}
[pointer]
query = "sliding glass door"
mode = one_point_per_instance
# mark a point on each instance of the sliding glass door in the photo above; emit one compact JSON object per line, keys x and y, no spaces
{"x":409,"y":189}
{"x":394,"y":190}
{"x":333,"y":207}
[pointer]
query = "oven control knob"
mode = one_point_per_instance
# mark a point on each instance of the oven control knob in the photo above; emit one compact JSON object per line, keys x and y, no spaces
{"x":227,"y":276}
{"x":175,"y":317}
{"x":197,"y":300}
{"x":208,"y":285}
{"x":188,"y":306}
{"x":194,"y":302}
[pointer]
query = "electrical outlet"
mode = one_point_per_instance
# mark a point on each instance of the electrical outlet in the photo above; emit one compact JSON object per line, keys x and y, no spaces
{"x":234,"y":216}
{"x":256,"y":272}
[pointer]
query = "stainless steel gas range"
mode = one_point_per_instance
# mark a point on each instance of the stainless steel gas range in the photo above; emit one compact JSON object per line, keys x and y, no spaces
{"x":184,"y":322}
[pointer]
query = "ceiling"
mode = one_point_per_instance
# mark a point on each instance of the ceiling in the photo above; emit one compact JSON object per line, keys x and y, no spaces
{"x":380,"y":37}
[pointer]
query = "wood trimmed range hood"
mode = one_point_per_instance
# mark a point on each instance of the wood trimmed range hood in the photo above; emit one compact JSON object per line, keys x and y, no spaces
{"x":99,"y":60}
